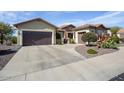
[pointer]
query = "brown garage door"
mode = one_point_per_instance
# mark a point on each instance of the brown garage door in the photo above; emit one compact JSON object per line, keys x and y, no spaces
{"x":79,"y":37}
{"x":36,"y":38}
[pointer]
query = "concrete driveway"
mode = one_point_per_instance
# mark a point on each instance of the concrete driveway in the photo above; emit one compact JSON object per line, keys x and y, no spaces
{"x":61,"y":63}
{"x":38,"y":58}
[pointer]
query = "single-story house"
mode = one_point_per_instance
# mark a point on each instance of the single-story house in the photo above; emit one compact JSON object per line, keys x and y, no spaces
{"x":73,"y":32}
{"x":120,"y":34}
{"x":36,"y":32}
{"x":40,"y":32}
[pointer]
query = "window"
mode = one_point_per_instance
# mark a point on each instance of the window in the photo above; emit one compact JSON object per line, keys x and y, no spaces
{"x":70,"y":35}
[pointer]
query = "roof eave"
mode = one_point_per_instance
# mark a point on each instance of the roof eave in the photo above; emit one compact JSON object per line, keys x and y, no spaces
{"x":17,"y":24}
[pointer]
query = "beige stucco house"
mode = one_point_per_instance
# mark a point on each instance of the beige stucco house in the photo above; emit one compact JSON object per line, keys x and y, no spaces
{"x":40,"y":32}
{"x":120,"y":34}
{"x":36,"y":32}
{"x":72,"y":32}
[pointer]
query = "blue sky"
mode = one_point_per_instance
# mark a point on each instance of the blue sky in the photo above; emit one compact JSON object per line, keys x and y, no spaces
{"x":108,"y":18}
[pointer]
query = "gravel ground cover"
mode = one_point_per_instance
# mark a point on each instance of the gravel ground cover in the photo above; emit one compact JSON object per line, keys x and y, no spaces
{"x":6,"y":53}
{"x":82,"y":49}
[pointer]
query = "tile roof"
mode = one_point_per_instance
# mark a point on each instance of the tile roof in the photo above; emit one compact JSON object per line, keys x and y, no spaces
{"x":85,"y":26}
{"x":63,"y":26}
{"x":121,"y":31}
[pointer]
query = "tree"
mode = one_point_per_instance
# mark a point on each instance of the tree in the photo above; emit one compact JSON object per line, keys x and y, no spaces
{"x":1,"y":33}
{"x":114,"y":30}
{"x":14,"y":39}
{"x":5,"y":30}
{"x":115,"y":38}
{"x":89,"y":37}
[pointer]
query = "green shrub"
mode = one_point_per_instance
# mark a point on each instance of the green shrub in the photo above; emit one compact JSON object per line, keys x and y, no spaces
{"x":58,"y":41}
{"x":89,"y":37}
{"x":71,"y":41}
{"x":91,"y":51}
{"x":58,"y":36}
{"x":110,"y":43}
{"x":115,"y":38}
{"x":114,"y":30}
{"x":14,"y":40}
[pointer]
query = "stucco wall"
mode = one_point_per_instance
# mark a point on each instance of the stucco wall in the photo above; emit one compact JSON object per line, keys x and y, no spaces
{"x":36,"y":25}
{"x":76,"y":34}
{"x":89,"y":30}
{"x":109,"y":32}
{"x":19,"y":37}
{"x":120,"y":35}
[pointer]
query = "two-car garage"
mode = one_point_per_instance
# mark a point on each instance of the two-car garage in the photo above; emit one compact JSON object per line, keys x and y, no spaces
{"x":36,"y":38}
{"x":36,"y":32}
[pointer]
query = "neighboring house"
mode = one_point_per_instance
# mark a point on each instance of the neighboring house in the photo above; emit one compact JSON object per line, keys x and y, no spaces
{"x":70,"y":31}
{"x":120,"y":34}
{"x":36,"y":32}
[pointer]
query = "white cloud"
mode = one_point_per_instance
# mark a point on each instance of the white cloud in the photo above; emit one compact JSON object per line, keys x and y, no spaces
{"x":76,"y":22}
{"x":7,"y":16}
{"x":109,"y":19}
{"x":14,"y":16}
{"x":108,"y":15}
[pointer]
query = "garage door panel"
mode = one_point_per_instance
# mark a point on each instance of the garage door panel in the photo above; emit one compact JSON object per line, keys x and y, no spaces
{"x":36,"y":38}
